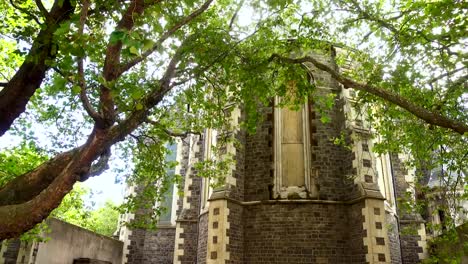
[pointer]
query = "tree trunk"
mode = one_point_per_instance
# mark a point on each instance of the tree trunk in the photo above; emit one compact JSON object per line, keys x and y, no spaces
{"x":65,"y":170}
{"x":26,"y":187}
{"x":18,"y":91}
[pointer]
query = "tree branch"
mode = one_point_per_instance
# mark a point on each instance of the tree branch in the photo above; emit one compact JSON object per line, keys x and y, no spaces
{"x":153,"y":98}
{"x":58,"y":177}
{"x":25,"y":187}
{"x":20,"y":217}
{"x":428,"y":116}
{"x":435,"y":79}
{"x":234,"y":16}
{"x":84,"y":98}
{"x":26,"y":11}
{"x":61,"y":73}
{"x":29,"y":198}
{"x":165,"y":36}
{"x":101,"y":165}
{"x":451,"y":88}
{"x":81,"y":79}
{"x":112,"y":66}
{"x":28,"y":78}
{"x":366,"y":15}
{"x":41,"y":7}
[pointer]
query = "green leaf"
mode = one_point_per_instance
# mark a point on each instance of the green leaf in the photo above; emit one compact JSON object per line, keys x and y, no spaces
{"x":139,"y":106}
{"x":101,"y":80}
{"x":59,"y":83}
{"x":77,"y":51}
{"x":116,"y":36}
{"x":63,"y":29}
{"x":76,"y":89}
{"x":325,"y":119}
{"x":148,"y":44}
{"x":137,"y":94}
{"x":133,"y":50}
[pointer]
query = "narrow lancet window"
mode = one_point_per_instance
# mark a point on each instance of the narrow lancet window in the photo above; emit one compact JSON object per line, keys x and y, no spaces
{"x":292,"y":152}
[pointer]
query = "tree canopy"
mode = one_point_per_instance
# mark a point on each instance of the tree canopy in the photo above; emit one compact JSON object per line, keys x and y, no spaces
{"x":118,"y":76}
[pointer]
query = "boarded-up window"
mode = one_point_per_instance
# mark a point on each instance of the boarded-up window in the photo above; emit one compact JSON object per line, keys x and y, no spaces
{"x":291,"y":152}
{"x":292,"y":147}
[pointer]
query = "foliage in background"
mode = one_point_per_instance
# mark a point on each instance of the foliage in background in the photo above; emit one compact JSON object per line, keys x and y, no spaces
{"x":18,"y":160}
{"x":449,"y":247}
{"x":104,"y":220}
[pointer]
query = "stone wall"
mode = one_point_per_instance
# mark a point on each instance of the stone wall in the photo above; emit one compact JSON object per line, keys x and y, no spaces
{"x":410,"y":248}
{"x":66,"y":243}
{"x":136,"y":246}
{"x":236,"y":235}
{"x":159,"y":246}
{"x":148,"y":246}
{"x":394,"y":238}
{"x":411,"y":228}
{"x":356,"y":233}
{"x":274,"y":231}
{"x":185,"y":246}
{"x":399,"y":172}
{"x":259,"y":160}
{"x":333,"y":162}
{"x":235,"y":185}
{"x":342,"y":219}
{"x":202,"y":238}
{"x":296,"y":232}
{"x":9,"y":251}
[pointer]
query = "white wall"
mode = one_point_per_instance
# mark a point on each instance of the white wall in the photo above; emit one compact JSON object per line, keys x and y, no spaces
{"x":68,"y":242}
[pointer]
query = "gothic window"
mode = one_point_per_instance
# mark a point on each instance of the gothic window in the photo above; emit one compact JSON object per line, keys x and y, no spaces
{"x":170,"y":197}
{"x":292,"y":152}
{"x":165,"y":217}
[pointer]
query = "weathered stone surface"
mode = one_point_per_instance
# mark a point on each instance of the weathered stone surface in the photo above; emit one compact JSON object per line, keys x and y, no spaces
{"x":202,"y":238}
{"x":393,"y":237}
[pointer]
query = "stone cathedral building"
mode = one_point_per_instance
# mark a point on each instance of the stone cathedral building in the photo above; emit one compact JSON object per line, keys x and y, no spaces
{"x":293,"y":195}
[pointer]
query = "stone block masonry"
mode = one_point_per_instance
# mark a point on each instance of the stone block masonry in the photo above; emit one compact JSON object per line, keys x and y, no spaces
{"x":297,"y":233}
{"x":202,"y":238}
{"x":9,"y":251}
{"x":159,"y":246}
{"x":185,"y":245}
{"x":394,"y":238}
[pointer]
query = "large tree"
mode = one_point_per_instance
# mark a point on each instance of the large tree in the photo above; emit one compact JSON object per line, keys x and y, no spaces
{"x":100,"y":73}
